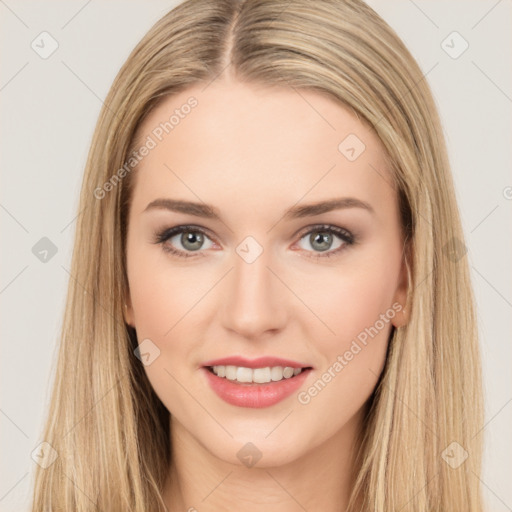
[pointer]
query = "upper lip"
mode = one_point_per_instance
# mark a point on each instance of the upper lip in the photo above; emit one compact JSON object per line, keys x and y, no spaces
{"x":260,"y":362}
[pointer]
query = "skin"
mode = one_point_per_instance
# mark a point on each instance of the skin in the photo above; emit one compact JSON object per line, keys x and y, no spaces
{"x":253,"y":152}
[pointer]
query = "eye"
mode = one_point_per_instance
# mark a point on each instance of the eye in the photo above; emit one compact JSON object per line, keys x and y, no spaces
{"x":322,"y":238}
{"x":190,"y":238}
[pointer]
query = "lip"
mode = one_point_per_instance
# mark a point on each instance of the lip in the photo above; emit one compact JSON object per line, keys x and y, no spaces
{"x":254,"y":395}
{"x":260,"y":362}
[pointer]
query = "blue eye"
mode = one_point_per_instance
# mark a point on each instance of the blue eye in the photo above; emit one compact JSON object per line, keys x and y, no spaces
{"x":321,"y":239}
{"x":192,"y":240}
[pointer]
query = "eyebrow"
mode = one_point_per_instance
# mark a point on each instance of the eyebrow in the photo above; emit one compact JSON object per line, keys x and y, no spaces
{"x":295,"y":212}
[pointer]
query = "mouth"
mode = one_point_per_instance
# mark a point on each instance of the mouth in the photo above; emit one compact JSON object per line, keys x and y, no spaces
{"x":260,"y":383}
{"x":251,"y":376}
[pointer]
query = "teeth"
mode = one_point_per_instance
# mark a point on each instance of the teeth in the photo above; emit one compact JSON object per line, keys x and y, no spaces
{"x":276,"y":373}
{"x":243,"y":374}
{"x":261,"y":375}
{"x":231,"y":372}
{"x":258,"y":375}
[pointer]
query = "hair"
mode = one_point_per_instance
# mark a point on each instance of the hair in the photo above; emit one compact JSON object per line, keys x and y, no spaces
{"x":110,"y":430}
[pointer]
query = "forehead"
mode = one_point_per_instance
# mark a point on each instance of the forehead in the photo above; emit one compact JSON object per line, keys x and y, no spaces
{"x":251,"y":142}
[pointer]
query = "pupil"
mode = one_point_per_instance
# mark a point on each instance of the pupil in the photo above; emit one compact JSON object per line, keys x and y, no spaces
{"x":194,"y":239}
{"x":323,"y":237}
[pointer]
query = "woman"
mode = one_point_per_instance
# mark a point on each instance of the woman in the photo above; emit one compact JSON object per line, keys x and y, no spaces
{"x":270,"y":306}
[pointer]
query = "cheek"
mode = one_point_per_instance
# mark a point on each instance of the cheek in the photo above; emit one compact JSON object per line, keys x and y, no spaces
{"x":168,"y":302}
{"x":353,"y":299}
{"x":356,"y":311}
{"x":161,"y":294}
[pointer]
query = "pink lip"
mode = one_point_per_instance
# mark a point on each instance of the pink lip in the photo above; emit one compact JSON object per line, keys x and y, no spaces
{"x":253,"y":394}
{"x":260,"y":362}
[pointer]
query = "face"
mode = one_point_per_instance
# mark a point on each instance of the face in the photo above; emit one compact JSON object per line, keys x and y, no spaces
{"x":263,"y":275}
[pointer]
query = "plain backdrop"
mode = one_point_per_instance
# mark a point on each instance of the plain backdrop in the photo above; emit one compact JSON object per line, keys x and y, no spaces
{"x":49,"y":107}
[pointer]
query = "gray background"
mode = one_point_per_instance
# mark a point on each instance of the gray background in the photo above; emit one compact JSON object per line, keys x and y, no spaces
{"x":48,"y":111}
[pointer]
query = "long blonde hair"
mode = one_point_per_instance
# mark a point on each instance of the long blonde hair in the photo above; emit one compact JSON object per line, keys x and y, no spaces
{"x":105,"y":422}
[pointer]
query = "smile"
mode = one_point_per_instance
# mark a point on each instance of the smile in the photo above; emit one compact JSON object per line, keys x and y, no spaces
{"x":255,"y":375}
{"x":278,"y":383}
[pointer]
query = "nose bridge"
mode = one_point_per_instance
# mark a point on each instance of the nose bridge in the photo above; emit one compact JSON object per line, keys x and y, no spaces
{"x":254,"y":303}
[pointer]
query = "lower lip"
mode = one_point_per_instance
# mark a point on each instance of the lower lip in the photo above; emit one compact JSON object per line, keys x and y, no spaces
{"x":253,"y":394}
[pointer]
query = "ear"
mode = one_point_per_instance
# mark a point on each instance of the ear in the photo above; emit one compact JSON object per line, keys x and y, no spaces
{"x":402,"y":316}
{"x":128,"y":312}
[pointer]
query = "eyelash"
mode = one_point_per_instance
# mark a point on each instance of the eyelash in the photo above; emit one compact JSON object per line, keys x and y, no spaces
{"x":346,"y":236}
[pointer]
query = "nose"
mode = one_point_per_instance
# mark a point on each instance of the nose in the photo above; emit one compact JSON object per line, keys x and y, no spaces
{"x":255,"y":298}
